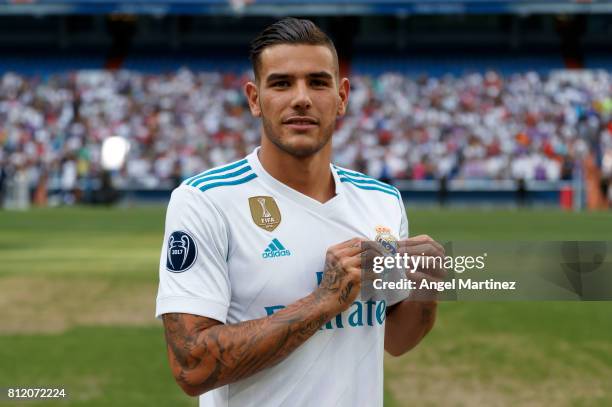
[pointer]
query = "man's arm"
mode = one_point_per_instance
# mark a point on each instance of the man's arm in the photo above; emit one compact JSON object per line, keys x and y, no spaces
{"x":205,"y":354}
{"x":407,"y":324}
{"x":409,"y":321}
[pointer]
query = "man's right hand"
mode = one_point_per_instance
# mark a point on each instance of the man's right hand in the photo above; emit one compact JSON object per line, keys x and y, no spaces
{"x":341,"y":281}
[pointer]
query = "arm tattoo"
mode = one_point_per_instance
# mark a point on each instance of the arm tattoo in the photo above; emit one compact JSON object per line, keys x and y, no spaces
{"x":205,"y":354}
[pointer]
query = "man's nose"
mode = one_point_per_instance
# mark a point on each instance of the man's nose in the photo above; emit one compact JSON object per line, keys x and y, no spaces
{"x":301,"y":97}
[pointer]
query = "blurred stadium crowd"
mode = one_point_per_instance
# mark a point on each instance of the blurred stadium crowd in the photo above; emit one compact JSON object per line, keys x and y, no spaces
{"x":476,"y":126}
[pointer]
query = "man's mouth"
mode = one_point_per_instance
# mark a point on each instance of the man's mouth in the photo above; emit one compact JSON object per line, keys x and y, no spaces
{"x":301,"y":123}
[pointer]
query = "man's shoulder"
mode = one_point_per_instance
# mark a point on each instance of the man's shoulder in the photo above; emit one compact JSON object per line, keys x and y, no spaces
{"x":216,"y":181}
{"x":365,"y":184}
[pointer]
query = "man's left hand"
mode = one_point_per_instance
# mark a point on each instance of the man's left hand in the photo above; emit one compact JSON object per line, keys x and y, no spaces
{"x":430,"y":257}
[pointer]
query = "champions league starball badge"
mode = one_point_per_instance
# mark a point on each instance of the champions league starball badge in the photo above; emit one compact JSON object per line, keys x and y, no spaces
{"x":386,"y":239}
{"x":182,"y":252}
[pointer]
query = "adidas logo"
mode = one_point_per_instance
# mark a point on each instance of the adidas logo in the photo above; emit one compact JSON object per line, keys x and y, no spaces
{"x":275,"y":249}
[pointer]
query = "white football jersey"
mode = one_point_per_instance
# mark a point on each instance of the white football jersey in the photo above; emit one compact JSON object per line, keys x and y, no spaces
{"x":240,"y":245}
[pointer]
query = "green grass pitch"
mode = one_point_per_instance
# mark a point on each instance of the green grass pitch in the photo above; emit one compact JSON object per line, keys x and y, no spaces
{"x":77,"y":293}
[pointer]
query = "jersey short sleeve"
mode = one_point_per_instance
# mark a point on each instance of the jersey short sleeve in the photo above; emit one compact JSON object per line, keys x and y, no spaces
{"x":193,"y":271}
{"x":403,"y":231}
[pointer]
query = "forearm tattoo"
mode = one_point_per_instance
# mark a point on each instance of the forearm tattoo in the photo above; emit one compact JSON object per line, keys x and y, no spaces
{"x":206,"y":354}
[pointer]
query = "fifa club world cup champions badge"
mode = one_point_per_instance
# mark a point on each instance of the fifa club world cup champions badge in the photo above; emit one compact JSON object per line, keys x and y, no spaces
{"x":265,"y":212}
{"x":386,"y":239}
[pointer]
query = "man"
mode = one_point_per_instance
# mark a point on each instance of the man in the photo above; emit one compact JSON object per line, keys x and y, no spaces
{"x":260,"y":269}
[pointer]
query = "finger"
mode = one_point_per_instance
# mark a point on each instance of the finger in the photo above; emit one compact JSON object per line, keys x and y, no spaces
{"x":418,"y":276}
{"x":356,"y":241}
{"x":337,"y":259}
{"x":430,"y":264}
{"x":420,"y":239}
{"x":439,"y":247}
{"x":351,"y":248}
{"x":352,"y":262}
{"x":424,"y":249}
{"x":369,"y":258}
{"x":352,"y":243}
{"x":434,"y":273}
{"x":374,"y":249}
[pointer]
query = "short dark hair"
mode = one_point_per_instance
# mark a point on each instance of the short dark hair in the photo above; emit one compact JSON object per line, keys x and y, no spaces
{"x":289,"y":30}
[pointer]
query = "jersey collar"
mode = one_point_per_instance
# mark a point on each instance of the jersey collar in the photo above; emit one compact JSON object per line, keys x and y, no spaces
{"x":291,"y":193}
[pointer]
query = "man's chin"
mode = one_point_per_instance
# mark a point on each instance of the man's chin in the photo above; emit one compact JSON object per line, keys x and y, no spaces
{"x":302,"y":151}
{"x":301,"y":146}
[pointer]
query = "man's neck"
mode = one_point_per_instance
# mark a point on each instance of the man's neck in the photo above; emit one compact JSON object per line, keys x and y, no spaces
{"x":310,"y":176}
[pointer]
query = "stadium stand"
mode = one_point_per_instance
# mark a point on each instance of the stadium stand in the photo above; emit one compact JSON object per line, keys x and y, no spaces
{"x":470,"y":127}
{"x":451,"y":105}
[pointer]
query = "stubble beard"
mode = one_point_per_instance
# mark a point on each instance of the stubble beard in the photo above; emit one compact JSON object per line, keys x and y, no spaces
{"x":299,"y":152}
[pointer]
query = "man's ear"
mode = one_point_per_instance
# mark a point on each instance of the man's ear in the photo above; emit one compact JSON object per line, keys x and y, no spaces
{"x":343,"y":92}
{"x":252,"y":95}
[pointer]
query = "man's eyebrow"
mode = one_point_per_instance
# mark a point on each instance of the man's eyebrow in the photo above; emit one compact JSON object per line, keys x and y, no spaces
{"x":277,"y":76}
{"x":280,"y":76}
{"x":321,"y":75}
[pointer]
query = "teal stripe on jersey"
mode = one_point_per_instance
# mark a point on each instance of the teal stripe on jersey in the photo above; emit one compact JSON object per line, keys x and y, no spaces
{"x":228,"y":183}
{"x":241,"y":171}
{"x":217,"y":170}
{"x":353,"y":175}
{"x":386,"y":191}
{"x":278,"y":244}
{"x":371,"y":182}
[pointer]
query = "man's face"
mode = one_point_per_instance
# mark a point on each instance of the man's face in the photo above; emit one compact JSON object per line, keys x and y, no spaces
{"x":298,"y":97}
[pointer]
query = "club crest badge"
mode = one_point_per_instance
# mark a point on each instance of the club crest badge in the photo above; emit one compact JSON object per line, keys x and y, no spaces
{"x":386,"y":239}
{"x":182,"y":252}
{"x":265,"y":212}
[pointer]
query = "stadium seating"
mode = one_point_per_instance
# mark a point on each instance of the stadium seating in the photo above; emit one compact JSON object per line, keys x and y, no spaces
{"x":506,"y":124}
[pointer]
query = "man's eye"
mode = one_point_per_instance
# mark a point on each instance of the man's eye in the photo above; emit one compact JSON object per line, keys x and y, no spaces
{"x":280,"y":84}
{"x":317,"y":82}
